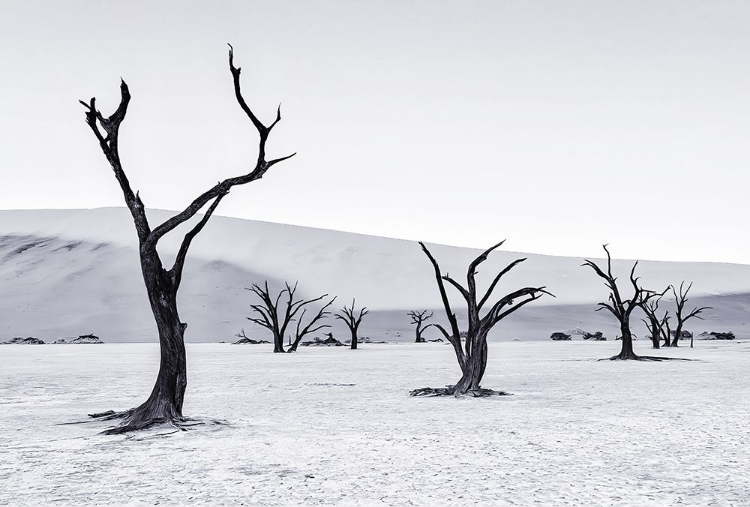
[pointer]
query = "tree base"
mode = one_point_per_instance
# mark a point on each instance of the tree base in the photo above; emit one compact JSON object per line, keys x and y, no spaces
{"x":634,"y":357}
{"x":451,"y":391}
{"x":135,"y":421}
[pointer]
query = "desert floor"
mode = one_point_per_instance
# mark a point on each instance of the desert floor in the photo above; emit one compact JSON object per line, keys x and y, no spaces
{"x":336,"y":426}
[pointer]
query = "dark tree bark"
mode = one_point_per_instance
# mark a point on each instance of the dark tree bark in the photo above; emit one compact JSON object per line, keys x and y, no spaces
{"x":352,"y":320}
{"x":680,"y":300}
{"x":623,"y":308}
{"x":666,"y":331}
{"x":419,"y":318}
{"x":472,"y":358}
{"x":166,"y":399}
{"x":275,"y":318}
{"x":654,"y":324}
{"x":301,"y":332}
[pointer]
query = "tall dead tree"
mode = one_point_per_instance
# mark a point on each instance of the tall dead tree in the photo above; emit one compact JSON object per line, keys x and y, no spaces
{"x":352,"y":320}
{"x":419,"y":318}
{"x":680,"y":300}
{"x":276,"y":316}
{"x":472,"y":358}
{"x":623,"y":308}
{"x":166,"y":399}
{"x":654,"y":324}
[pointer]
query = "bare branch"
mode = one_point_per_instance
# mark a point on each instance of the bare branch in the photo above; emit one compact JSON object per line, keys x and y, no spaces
{"x":446,"y":303}
{"x":496,"y":280}
{"x":458,"y":287}
{"x":494,"y":315}
{"x":261,"y":166}
{"x":533,"y":296}
{"x":179,"y":262}
{"x":472,"y":271}
{"x":110,"y":148}
{"x":419,"y":317}
{"x":322,"y":313}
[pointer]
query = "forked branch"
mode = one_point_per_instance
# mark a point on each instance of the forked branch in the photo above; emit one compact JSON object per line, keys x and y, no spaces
{"x":108,"y":141}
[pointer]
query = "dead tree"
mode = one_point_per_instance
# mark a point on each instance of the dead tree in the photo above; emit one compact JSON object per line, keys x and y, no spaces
{"x":654,"y":324}
{"x":623,"y":308}
{"x":276,"y":316}
{"x":666,"y":331}
{"x":352,"y":320}
{"x":301,"y":332}
{"x":166,"y":399}
{"x":472,"y":358}
{"x":419,"y":318}
{"x":680,"y":300}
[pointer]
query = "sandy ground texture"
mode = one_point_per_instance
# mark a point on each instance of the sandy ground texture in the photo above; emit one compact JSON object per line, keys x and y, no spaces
{"x":336,"y":426}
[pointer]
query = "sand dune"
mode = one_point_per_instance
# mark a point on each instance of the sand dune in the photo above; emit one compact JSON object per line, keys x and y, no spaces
{"x":69,"y":272}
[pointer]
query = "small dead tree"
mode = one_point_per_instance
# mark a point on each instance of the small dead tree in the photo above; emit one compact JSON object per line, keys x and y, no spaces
{"x":680,"y":300}
{"x":166,"y":399}
{"x":352,"y":320}
{"x":472,"y":358}
{"x":654,"y":324}
{"x":276,"y":316}
{"x":301,"y":332}
{"x":419,"y":318}
{"x":623,"y":308}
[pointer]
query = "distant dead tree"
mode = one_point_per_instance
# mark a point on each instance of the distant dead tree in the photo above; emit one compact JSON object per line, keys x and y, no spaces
{"x":472,"y":358}
{"x":623,"y":308}
{"x":655,"y":325}
{"x":276,"y":316}
{"x":680,"y":300}
{"x":419,"y":318}
{"x":166,"y":399}
{"x":352,"y":320}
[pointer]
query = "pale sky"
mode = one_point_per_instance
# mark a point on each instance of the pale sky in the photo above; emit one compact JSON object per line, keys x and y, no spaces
{"x":557,"y":125}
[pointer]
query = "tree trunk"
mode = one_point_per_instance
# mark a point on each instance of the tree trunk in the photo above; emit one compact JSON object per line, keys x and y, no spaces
{"x":419,"y":336}
{"x":278,"y":343}
{"x":655,"y":333}
{"x":354,"y":339}
{"x":626,"y":352}
{"x":166,"y":399}
{"x":677,"y":333}
{"x":473,"y":368}
{"x":293,"y":345}
{"x":471,"y":376}
{"x":655,"y":339}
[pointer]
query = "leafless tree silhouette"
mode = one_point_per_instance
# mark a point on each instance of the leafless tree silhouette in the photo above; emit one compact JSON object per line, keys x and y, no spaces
{"x":166,"y":399}
{"x":623,"y":308}
{"x":419,"y":318}
{"x":352,"y":320}
{"x":472,"y":358}
{"x":680,"y":300}
{"x":654,"y":324}
{"x":276,"y":316}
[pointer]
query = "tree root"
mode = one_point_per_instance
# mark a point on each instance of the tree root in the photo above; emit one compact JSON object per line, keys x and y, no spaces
{"x":633,"y":357}
{"x":141,"y":424}
{"x":451,"y":391}
{"x":136,"y":420}
{"x":111,"y":414}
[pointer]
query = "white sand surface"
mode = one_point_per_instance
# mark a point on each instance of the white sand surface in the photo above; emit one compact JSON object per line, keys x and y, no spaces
{"x":335,"y":426}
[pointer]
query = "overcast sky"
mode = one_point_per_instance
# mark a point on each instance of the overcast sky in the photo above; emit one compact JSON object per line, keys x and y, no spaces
{"x":557,"y":125}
